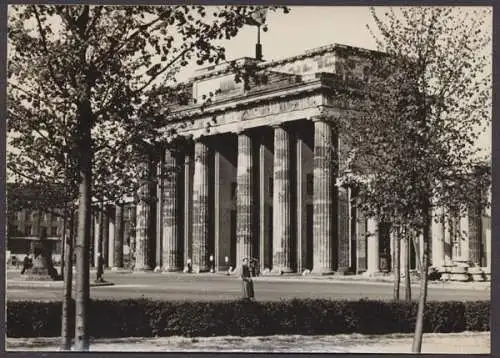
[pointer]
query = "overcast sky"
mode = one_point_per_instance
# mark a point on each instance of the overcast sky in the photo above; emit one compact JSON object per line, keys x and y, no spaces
{"x":307,"y":27}
{"x":304,"y":28}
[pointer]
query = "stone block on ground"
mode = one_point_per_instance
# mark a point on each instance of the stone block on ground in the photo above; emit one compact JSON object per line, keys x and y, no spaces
{"x":476,"y":273}
{"x":459,"y":273}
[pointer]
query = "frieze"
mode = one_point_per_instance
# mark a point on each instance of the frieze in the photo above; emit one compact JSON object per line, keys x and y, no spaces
{"x":210,"y":123}
{"x":277,"y":107}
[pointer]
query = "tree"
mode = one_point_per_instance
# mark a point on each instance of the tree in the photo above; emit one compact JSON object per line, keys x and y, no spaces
{"x":417,"y":121}
{"x":107,"y":71}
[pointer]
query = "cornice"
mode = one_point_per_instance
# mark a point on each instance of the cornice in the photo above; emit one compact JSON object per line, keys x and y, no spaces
{"x":246,"y":100}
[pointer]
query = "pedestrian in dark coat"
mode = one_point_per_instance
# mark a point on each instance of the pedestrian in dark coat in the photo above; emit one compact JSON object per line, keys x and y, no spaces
{"x":27,"y":263}
{"x":247,"y":283}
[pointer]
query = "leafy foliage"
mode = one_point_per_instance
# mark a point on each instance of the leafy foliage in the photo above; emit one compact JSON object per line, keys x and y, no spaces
{"x":90,"y":88}
{"x":146,"y":318}
{"x":418,"y":121}
{"x":415,"y":122}
{"x":126,"y":59}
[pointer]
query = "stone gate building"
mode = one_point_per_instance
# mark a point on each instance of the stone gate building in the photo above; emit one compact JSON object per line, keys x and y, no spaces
{"x":257,"y":179}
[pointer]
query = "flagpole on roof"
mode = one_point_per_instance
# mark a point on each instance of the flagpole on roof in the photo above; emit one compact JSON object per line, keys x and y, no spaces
{"x":258,"y":45}
{"x":258,"y":18}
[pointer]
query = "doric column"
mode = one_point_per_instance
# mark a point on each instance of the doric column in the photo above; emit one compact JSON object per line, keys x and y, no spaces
{"x":487,"y":240}
{"x":132,"y":227}
{"x":265,"y":200}
{"x":172,"y":238}
{"x":188,"y":205}
{"x":95,"y":218}
{"x":301,"y":198}
{"x":360,"y":242}
{"x":324,"y":201}
{"x":111,"y":236}
{"x":158,"y":219}
{"x":245,"y":206}
{"x":200,"y":207}
{"x":403,"y":255}
{"x":105,"y":235}
{"x":448,"y":245}
{"x":437,"y":237}
{"x":464,"y":234}
{"x":100,"y":232}
{"x":145,"y":220}
{"x":373,"y":246}
{"x":282,"y":238}
{"x":343,"y":254}
{"x":118,"y":259}
{"x":475,"y":234}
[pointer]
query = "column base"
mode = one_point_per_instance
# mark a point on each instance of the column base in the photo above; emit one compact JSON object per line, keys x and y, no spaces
{"x":373,"y":273}
{"x":143,"y":269}
{"x":322,"y":271}
{"x":222,"y":268}
{"x":200,"y":269}
{"x":171,"y":269}
{"x":343,"y":271}
{"x":282,"y":271}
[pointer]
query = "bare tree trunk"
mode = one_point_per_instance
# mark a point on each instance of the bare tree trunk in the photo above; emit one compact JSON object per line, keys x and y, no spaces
{"x":83,"y":240}
{"x":68,"y":277}
{"x":65,"y":222}
{"x":397,"y":265}
{"x":100,"y":239}
{"x":419,"y":327}
{"x":407,"y":268}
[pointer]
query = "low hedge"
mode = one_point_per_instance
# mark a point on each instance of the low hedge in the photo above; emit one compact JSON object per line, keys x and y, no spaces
{"x":147,"y":318}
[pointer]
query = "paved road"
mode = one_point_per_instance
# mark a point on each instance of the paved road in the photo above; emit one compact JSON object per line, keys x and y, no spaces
{"x":216,"y":287}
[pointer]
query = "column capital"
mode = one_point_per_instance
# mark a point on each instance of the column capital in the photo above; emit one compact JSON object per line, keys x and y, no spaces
{"x":319,"y":118}
{"x":240,"y":130}
{"x":278,"y":125}
{"x":324,"y":117}
{"x":199,"y":138}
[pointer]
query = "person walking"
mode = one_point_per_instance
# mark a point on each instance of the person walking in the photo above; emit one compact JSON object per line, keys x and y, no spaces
{"x":247,"y":283}
{"x":27,"y":263}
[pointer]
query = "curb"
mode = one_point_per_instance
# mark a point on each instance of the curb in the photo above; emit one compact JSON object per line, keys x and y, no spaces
{"x":464,"y":286}
{"x":49,"y":284}
{"x":483,"y":286}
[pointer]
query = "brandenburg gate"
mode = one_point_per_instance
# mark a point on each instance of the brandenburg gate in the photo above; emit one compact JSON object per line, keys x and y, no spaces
{"x":256,"y":175}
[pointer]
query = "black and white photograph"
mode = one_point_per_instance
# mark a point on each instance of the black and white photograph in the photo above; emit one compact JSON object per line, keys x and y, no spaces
{"x":248,"y":178}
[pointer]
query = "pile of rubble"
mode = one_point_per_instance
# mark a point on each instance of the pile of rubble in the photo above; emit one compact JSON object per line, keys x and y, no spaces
{"x":461,"y":271}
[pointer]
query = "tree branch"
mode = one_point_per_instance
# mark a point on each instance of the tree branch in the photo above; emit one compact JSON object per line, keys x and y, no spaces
{"x":167,"y":66}
{"x":114,"y":50}
{"x":33,"y":95}
{"x":95,"y":19}
{"x":44,"y":44}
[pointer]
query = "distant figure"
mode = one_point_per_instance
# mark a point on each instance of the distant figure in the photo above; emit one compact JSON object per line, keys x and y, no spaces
{"x":100,"y":268}
{"x":212,"y":264}
{"x":27,"y":263}
{"x":247,"y":283}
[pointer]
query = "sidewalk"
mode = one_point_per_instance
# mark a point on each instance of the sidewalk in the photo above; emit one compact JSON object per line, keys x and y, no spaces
{"x":465,"y":342}
{"x":351,"y":279}
{"x":49,"y":284}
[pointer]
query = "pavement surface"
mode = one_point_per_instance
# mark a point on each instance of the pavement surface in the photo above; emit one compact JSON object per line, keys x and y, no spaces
{"x":465,"y":342}
{"x":204,"y":287}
